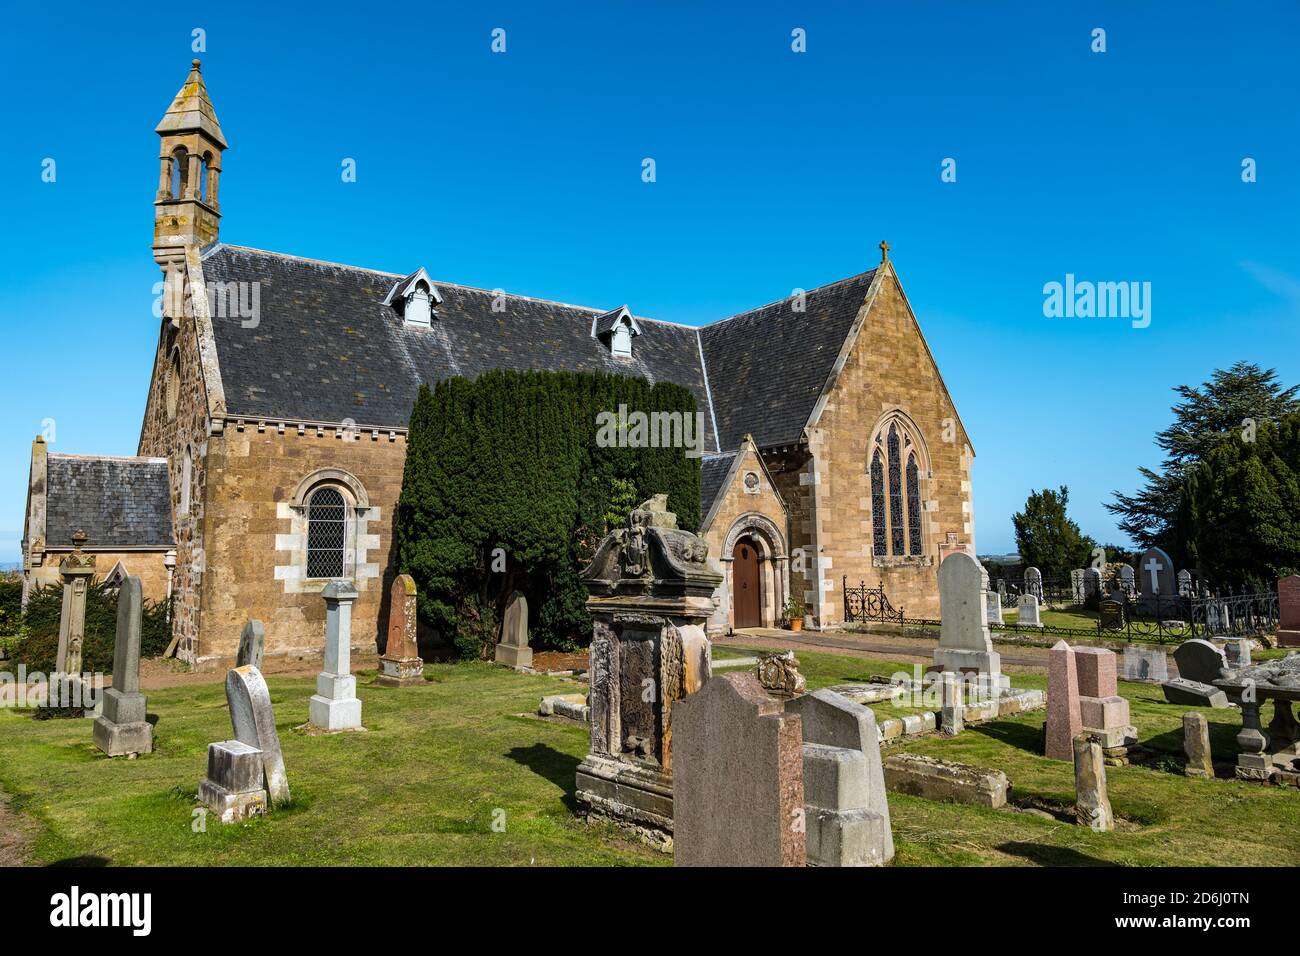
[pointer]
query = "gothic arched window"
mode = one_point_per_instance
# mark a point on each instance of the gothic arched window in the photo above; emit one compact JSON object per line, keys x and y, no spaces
{"x":897,"y":508}
{"x":326,"y":533}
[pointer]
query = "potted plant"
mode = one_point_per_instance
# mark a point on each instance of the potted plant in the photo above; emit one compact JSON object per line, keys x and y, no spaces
{"x":794,"y":615}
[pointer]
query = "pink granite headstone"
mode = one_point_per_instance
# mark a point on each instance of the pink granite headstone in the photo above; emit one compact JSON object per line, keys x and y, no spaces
{"x":1063,"y":720}
{"x":401,"y":665}
{"x":1098,"y":671}
{"x":1288,"y":609}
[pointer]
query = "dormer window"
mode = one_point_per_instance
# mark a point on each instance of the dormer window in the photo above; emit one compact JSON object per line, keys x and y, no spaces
{"x":414,"y":297}
{"x":616,"y":329}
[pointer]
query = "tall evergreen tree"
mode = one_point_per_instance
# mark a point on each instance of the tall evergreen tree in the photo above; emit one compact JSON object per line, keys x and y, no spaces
{"x":1206,"y":418}
{"x":1046,"y":537}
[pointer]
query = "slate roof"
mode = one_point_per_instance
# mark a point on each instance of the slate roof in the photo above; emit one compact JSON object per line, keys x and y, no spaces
{"x":767,"y":367}
{"x":118,"y":502}
{"x":713,"y":472}
{"x":326,"y":349}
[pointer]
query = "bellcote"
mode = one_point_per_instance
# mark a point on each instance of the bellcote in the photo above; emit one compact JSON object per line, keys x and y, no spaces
{"x":187,"y":208}
{"x":414,"y":298}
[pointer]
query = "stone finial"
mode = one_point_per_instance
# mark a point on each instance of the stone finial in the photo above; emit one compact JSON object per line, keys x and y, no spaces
{"x":78,"y":539}
{"x":196,"y":65}
{"x":779,"y":674}
{"x":884,"y":251}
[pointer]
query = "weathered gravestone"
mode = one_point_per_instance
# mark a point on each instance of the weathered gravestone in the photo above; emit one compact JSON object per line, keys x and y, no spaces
{"x":233,"y":787}
{"x":1156,"y":579}
{"x":1127,"y":580}
{"x":1077,"y":594}
{"x":1193,"y":693}
{"x":1092,"y":586}
{"x":1034,"y":583}
{"x":1112,"y":615}
{"x":1027,"y":608}
{"x":1185,"y":588}
{"x":1237,"y":652}
{"x":66,"y":687}
{"x":952,"y":703}
{"x":651,"y":590}
{"x":1199,"y":660}
{"x":1144,"y":664}
{"x":123,"y":729}
{"x":246,"y":775}
{"x":1288,"y":611}
{"x":993,"y":612}
{"x":965,"y":646}
{"x":252,"y":642}
{"x":846,"y":810}
{"x":1196,"y":743}
{"x":254,"y":724}
{"x":1103,"y":713}
{"x":738,"y":793}
{"x":401,"y":665}
{"x":513,"y":651}
{"x":1063,"y":720}
{"x":1092,"y":804}
{"x":335,"y":706}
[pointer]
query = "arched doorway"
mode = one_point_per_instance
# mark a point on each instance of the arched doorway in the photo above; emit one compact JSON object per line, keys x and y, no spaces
{"x":746,"y":593}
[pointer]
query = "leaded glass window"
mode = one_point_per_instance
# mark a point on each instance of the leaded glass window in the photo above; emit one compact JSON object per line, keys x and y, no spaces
{"x":895,"y":494}
{"x":913,"y":507}
{"x":326,"y":534}
{"x":878,"y":504}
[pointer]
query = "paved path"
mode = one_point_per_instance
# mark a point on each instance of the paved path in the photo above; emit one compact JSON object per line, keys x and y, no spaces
{"x":869,"y":645}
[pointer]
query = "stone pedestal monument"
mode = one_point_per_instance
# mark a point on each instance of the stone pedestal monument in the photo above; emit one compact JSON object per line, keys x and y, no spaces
{"x":123,"y":728}
{"x":77,"y":570}
{"x":965,"y":646}
{"x":401,"y":665}
{"x":513,"y":651}
{"x":651,"y":587}
{"x":335,"y":706}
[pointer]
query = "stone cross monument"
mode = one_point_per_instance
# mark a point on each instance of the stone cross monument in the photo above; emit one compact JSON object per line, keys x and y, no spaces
{"x":335,"y":706}
{"x":651,"y":587}
{"x":123,"y":728}
{"x":76,"y":569}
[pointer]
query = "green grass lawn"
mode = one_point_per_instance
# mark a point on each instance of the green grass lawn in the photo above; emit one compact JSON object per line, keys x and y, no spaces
{"x":421,"y":786}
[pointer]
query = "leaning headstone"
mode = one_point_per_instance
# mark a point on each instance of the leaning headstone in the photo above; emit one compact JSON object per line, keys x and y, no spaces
{"x":513,"y":651}
{"x":123,"y":729}
{"x":1199,"y":660}
{"x":1027,"y":608}
{"x":252,"y":642}
{"x":1196,"y":743}
{"x":964,"y":643}
{"x":254,"y":723}
{"x":1092,"y":805}
{"x":846,"y":810}
{"x":1193,"y":693}
{"x":401,"y":665}
{"x":993,"y":600}
{"x":1156,"y":582}
{"x":335,"y":706}
{"x":1034,"y":583}
{"x":1288,"y":611}
{"x":1144,"y":664}
{"x":647,"y":632}
{"x":233,"y":787}
{"x":738,"y":794}
{"x":1063,"y":720}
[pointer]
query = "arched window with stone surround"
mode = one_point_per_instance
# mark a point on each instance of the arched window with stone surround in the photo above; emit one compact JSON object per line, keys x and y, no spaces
{"x":180,"y":172}
{"x":898,"y":462}
{"x":327,"y":522}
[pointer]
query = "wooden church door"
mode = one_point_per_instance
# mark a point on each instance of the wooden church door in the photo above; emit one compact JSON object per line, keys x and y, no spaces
{"x":744,"y":585}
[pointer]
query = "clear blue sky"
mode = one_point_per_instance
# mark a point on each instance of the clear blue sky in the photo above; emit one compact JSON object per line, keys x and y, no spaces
{"x":775,"y":170}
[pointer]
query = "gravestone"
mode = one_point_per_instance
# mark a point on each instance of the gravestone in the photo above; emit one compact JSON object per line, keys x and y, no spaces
{"x":1102,"y":712}
{"x":1002,"y":587}
{"x":1144,"y":664}
{"x":1288,"y":611}
{"x":994,"y":609}
{"x":122,"y":729}
{"x":254,"y":724}
{"x":738,"y":793}
{"x":1199,"y":660}
{"x":401,"y":665}
{"x":1127,"y":580}
{"x":1193,"y":693}
{"x":1063,"y":720}
{"x":1028,"y":611}
{"x":66,"y":687}
{"x":1185,"y":588}
{"x":252,"y":642}
{"x":513,"y":651}
{"x":335,"y":706}
{"x":1112,"y":615}
{"x":233,"y":787}
{"x":1196,"y":744}
{"x":1091,"y":802}
{"x":1077,"y":594}
{"x":1097,"y":671}
{"x":651,"y":587}
{"x":1237,"y":652}
{"x":965,"y":646}
{"x":952,"y":703}
{"x":1092,"y":585}
{"x":1034,"y":583}
{"x":1156,"y":582}
{"x":846,"y":809}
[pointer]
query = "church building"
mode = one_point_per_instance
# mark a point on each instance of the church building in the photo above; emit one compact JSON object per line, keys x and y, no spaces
{"x":271,"y":451}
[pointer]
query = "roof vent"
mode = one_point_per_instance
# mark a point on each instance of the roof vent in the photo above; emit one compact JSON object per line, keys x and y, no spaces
{"x":414,"y":297}
{"x":616,"y":328}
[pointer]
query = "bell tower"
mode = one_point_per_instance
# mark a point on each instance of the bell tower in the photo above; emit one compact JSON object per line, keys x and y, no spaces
{"x":187,"y":211}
